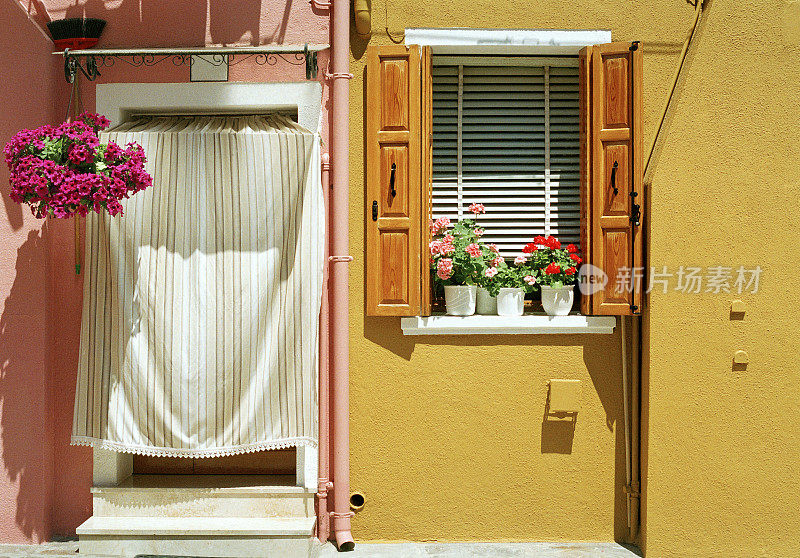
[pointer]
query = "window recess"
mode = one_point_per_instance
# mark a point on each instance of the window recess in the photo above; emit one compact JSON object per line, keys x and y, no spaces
{"x":505,"y":133}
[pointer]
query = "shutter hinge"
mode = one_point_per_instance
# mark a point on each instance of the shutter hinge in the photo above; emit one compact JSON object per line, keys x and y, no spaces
{"x":634,"y":46}
{"x":634,"y":309}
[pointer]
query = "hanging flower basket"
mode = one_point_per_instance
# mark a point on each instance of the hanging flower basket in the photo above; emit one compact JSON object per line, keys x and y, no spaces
{"x":62,"y":171}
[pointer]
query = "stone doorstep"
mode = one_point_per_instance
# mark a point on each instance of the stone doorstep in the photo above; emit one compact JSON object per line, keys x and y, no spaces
{"x":197,"y":526}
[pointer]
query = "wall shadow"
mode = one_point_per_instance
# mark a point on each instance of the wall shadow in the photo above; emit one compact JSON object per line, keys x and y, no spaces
{"x":24,"y":422}
{"x":558,"y":431}
{"x":182,"y":23}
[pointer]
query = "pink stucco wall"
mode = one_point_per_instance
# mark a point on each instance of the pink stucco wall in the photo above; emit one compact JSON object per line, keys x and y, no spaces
{"x":44,"y":489}
{"x":31,"y":96}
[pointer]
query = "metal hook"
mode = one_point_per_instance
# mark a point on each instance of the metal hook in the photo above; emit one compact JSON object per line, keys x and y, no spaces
{"x":72,"y":65}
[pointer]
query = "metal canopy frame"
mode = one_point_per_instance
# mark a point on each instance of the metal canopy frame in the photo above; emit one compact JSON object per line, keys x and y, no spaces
{"x":89,"y":61}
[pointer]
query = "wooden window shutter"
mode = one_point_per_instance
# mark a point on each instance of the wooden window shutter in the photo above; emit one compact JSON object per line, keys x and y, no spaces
{"x":398,"y":176}
{"x":611,"y":175}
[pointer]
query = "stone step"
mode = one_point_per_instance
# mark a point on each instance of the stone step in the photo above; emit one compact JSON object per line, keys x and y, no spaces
{"x":199,"y":536}
{"x":204,"y":496}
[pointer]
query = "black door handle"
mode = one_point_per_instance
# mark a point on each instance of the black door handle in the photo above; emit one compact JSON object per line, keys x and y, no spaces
{"x":375,"y":211}
{"x":391,"y":180}
{"x":614,"y":178}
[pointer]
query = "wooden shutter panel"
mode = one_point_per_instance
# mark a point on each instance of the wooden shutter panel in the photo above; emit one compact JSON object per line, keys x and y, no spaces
{"x":394,"y":221}
{"x":611,"y":146}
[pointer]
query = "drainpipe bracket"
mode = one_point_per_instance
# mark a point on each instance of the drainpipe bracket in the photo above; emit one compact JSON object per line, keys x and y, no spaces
{"x":633,"y":493}
{"x":338,"y":75}
{"x":345,"y":515}
{"x":340,"y":259}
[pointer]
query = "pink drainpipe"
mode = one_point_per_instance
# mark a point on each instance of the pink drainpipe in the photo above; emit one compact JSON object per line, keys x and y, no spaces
{"x":340,"y":258}
{"x":324,"y":484}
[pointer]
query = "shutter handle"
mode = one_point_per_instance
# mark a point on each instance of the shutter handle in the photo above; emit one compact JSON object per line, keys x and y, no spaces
{"x":374,"y":210}
{"x":614,"y":178}
{"x":635,"y":210}
{"x":391,"y":181}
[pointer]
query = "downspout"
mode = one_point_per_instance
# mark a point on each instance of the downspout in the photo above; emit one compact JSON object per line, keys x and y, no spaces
{"x":623,"y":320}
{"x":633,"y":493}
{"x":339,"y":269}
{"x":323,"y":482}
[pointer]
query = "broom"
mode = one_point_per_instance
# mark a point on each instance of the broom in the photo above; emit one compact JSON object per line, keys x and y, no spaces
{"x":76,"y":32}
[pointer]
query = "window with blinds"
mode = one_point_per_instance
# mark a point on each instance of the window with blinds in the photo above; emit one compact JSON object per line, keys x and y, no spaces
{"x":505,"y":134}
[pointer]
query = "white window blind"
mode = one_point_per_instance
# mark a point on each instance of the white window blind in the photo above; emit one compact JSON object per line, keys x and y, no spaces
{"x":505,"y":134}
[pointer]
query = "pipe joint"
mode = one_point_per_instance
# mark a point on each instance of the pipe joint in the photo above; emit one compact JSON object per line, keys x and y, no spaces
{"x":342,"y":515}
{"x":323,"y":488}
{"x":340,"y":259}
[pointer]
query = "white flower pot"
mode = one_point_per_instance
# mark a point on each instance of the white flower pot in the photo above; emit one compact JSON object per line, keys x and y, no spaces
{"x":487,"y":304}
{"x":460,"y":299}
{"x":510,"y":302}
{"x":557,"y":302}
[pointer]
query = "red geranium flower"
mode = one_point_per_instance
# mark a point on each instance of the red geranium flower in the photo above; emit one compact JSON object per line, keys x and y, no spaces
{"x":575,"y":258}
{"x":530,"y":248}
{"x":552,"y":243}
{"x":571,"y":248}
{"x":552,"y":269}
{"x":570,"y":271}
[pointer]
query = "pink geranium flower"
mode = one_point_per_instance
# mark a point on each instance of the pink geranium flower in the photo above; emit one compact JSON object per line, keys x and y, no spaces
{"x":530,"y":280}
{"x":520,"y":260}
{"x":497,"y":261}
{"x":439,"y":225}
{"x":490,"y":272}
{"x":474,"y":250}
{"x":444,"y":269}
{"x":477,"y":208}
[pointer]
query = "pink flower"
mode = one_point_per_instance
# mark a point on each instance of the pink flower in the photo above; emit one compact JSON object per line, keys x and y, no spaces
{"x":447,"y":248}
{"x":530,"y":280}
{"x":444,"y":269}
{"x":493,"y":247}
{"x":439,"y":225}
{"x":477,"y":208}
{"x":435,"y":246}
{"x":519,"y":260}
{"x":497,"y":261}
{"x":474,"y":250}
{"x":490,"y":272}
{"x":479,"y":232}
{"x":51,"y":169}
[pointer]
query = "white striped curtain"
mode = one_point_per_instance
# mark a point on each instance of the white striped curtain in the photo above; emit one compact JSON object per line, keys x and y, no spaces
{"x":201,"y":304}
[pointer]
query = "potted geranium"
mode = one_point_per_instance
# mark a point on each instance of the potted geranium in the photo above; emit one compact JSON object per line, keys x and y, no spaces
{"x":459,"y":260}
{"x":555,"y":270}
{"x":62,"y":171}
{"x":509,"y":284}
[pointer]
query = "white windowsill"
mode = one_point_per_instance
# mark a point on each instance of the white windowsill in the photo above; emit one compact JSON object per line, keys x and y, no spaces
{"x":528,"y":324}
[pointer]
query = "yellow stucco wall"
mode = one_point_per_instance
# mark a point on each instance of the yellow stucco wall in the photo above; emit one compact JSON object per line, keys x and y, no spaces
{"x":447,"y":436}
